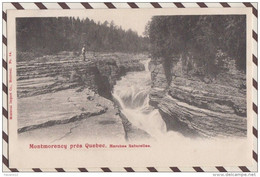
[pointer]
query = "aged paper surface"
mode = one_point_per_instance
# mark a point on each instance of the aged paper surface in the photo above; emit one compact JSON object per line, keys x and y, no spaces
{"x":74,"y":107}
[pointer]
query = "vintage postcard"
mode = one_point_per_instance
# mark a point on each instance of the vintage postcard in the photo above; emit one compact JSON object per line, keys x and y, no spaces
{"x":157,"y":89}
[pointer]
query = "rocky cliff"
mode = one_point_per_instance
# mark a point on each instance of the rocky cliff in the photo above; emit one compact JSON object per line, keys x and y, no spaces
{"x":66,"y":70}
{"x":199,"y":106}
{"x":60,"y":96}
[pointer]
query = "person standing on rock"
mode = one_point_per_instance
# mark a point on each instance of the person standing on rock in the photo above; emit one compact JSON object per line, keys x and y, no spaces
{"x":83,"y":51}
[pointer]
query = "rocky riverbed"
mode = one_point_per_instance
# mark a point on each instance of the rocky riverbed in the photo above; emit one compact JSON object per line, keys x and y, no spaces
{"x":72,"y":98}
{"x":63,"y":94}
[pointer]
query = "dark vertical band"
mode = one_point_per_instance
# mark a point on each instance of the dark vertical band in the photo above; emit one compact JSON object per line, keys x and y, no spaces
{"x":179,"y":5}
{"x":198,"y":169}
{"x":105,"y":169}
{"x":63,"y":5}
{"x":5,"y":136}
{"x":83,"y":170}
{"x":221,"y":169}
{"x":254,"y":10}
{"x":4,"y":111}
{"x":110,"y":5}
{"x":202,"y":4}
{"x":129,"y":169}
{"x":255,"y":36}
{"x":255,"y":156}
{"x":244,"y":169}
{"x":254,"y":59}
{"x":4,"y":88}
{"x":255,"y":84}
{"x":175,"y":169}
{"x":156,"y":5}
{"x":255,"y":132}
{"x":152,"y":169}
{"x":59,"y":169}
{"x":40,"y":5}
{"x":224,"y":4}
{"x":132,"y":5}
{"x":87,"y":5}
{"x":17,"y":5}
{"x":4,"y":40}
{"x":4,"y":64}
{"x":13,"y":170}
{"x":37,"y":170}
{"x":4,"y":16}
{"x":255,"y":108}
{"x":5,"y":161}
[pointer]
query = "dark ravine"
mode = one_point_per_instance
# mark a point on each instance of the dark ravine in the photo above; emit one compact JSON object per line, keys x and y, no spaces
{"x":198,"y":106}
{"x":108,"y":72}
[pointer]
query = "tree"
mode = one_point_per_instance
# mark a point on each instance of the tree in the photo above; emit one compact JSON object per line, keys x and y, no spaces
{"x":51,"y":35}
{"x":200,"y":37}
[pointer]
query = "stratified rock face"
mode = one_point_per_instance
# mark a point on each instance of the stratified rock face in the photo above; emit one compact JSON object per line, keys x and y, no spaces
{"x":65,"y":71}
{"x":62,"y":97}
{"x":159,"y":82}
{"x":200,"y":107}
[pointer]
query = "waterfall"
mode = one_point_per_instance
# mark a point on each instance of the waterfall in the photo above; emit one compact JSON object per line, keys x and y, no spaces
{"x":132,"y":93}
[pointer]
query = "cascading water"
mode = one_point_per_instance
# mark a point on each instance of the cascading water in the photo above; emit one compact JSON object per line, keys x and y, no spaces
{"x":132,"y":93}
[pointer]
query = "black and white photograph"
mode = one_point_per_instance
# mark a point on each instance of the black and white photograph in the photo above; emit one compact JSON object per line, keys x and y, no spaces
{"x":83,"y":77}
{"x":130,"y":88}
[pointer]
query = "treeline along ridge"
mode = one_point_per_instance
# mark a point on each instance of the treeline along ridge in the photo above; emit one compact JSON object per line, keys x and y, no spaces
{"x":51,"y":35}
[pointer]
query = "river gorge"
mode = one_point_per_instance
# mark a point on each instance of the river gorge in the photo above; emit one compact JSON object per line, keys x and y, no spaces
{"x":128,"y":97}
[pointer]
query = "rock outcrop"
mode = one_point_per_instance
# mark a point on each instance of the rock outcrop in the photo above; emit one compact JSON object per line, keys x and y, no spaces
{"x":65,"y":95}
{"x":68,"y":115}
{"x":198,"y":106}
{"x":65,"y":71}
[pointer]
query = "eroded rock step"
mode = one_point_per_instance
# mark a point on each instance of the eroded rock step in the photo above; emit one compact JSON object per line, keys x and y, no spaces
{"x":197,"y":106}
{"x":68,"y":114}
{"x":60,"y":96}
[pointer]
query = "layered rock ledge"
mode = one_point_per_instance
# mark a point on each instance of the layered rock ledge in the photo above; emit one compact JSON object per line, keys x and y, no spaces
{"x":63,"y":71}
{"x":71,"y":98}
{"x":198,"y":106}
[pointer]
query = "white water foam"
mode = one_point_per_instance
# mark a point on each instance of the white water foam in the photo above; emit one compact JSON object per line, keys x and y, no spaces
{"x":132,"y":93}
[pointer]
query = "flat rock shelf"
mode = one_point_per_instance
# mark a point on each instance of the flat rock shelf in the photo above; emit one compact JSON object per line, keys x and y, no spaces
{"x":61,"y":97}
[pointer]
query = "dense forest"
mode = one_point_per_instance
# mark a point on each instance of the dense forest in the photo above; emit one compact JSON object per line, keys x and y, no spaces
{"x":205,"y":40}
{"x":51,"y":35}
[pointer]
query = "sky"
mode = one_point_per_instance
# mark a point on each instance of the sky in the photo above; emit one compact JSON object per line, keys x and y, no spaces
{"x":134,"y":21}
